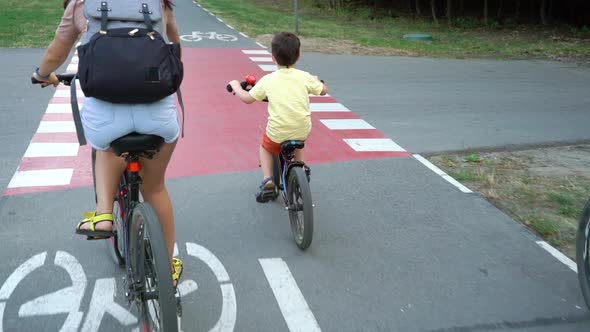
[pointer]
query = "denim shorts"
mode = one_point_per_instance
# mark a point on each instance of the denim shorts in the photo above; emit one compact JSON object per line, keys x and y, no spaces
{"x":104,"y":122}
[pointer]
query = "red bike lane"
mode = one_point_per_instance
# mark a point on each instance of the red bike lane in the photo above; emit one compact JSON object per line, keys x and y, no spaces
{"x":221,"y":134}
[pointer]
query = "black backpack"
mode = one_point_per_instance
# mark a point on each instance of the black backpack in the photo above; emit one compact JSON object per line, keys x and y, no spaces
{"x":130,"y":62}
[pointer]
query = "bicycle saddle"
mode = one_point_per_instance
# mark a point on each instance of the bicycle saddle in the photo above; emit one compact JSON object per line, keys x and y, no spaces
{"x":290,"y":146}
{"x":136,"y":143}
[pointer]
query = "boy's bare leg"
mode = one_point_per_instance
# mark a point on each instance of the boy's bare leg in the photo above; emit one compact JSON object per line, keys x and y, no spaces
{"x":265,"y":163}
{"x":298,"y":154}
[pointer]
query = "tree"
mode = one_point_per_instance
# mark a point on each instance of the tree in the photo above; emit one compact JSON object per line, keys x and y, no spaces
{"x":433,"y":9}
{"x":543,"y":12}
{"x":449,"y":10}
{"x":485,"y":12}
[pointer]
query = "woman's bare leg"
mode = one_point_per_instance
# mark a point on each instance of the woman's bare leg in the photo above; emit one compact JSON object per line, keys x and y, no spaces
{"x":108,"y":169}
{"x":154,"y":191}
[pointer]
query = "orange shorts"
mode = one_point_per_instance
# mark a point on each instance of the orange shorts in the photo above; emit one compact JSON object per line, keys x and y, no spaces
{"x":269,"y":145}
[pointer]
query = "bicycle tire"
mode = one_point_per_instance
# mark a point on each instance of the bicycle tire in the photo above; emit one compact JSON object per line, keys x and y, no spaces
{"x":115,"y":244}
{"x":300,"y":207}
{"x":583,"y":253}
{"x":276,"y":172}
{"x":151,"y":269}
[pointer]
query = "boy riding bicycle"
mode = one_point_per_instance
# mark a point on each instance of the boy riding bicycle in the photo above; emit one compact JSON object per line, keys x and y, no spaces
{"x":289,"y":117}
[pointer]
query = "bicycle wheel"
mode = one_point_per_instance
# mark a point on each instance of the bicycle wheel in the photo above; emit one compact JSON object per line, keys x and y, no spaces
{"x":300,"y":207}
{"x":276,"y":172}
{"x":583,"y":253}
{"x":191,"y":38}
{"x":151,"y":270}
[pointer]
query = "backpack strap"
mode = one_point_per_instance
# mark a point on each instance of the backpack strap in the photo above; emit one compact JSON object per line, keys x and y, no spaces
{"x":104,"y":17}
{"x":179,"y":95}
{"x":76,"y":112}
{"x":146,"y":17}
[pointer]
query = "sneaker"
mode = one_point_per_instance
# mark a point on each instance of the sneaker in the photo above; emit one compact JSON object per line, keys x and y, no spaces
{"x":268,"y":191}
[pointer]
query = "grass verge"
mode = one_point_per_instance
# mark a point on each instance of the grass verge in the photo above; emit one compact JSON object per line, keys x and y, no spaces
{"x":544,"y":189}
{"x":29,"y":23}
{"x":356,"y":33}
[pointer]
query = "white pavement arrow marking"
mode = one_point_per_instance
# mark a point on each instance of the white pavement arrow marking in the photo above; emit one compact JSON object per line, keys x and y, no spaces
{"x":66,"y":300}
{"x":103,"y":301}
{"x":227,"y":319}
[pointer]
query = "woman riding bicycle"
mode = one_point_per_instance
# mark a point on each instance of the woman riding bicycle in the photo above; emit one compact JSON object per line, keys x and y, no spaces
{"x":104,"y":122}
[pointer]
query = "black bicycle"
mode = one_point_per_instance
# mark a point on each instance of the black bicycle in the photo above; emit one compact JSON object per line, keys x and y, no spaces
{"x":292,"y":179}
{"x":583,"y":252}
{"x":138,"y":242}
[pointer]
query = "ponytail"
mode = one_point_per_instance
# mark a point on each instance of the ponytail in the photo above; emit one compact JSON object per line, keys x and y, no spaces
{"x":167,"y":4}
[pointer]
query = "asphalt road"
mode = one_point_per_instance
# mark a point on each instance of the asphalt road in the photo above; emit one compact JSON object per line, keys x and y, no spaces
{"x":396,"y":247}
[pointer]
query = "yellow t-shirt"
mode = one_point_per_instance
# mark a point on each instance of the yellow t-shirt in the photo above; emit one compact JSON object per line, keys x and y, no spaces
{"x":288,"y":92}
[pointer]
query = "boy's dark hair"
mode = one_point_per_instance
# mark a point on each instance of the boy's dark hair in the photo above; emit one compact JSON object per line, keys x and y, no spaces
{"x":285,"y":48}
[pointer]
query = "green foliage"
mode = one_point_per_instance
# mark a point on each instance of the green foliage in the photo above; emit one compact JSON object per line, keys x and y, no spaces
{"x":29,"y":23}
{"x":466,"y":23}
{"x":472,"y":158}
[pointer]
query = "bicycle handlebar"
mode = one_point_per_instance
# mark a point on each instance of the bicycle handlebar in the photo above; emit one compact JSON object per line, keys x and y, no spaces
{"x":244,"y":85}
{"x":65,"y":79}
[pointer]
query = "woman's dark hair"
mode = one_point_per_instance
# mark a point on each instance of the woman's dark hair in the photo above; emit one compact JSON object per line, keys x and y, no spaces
{"x":285,"y":48}
{"x":168,"y":4}
{"x":66,"y":3}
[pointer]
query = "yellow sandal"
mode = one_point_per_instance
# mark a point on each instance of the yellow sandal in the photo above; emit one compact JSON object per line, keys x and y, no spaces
{"x":93,"y":219}
{"x":178,"y":269}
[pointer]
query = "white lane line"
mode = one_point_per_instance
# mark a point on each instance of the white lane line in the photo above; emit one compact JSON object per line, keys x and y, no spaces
{"x":220,"y":20}
{"x":293,"y":306}
{"x":56,"y":127}
{"x":229,"y":26}
{"x":52,"y":150}
{"x":441,"y":173}
{"x":268,"y":67}
{"x":60,"y":108}
{"x":265,"y":52}
{"x":260,"y":45}
{"x":261,"y":59}
{"x":327,"y":107}
{"x":373,"y":145}
{"x":66,"y":93}
{"x":244,"y":35}
{"x":47,"y":177}
{"x":557,"y":254}
{"x":345,"y":124}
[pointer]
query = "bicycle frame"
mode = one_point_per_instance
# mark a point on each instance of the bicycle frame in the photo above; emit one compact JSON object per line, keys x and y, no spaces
{"x":128,"y":197}
{"x":285,"y":164}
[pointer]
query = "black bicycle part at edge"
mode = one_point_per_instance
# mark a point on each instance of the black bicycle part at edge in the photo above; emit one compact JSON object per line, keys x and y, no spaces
{"x":292,"y":179}
{"x":138,"y":242}
{"x":583,"y":253}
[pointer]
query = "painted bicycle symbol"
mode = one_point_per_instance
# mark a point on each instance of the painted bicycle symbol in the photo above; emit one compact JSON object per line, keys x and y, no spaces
{"x":68,"y":301}
{"x":197,"y":36}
